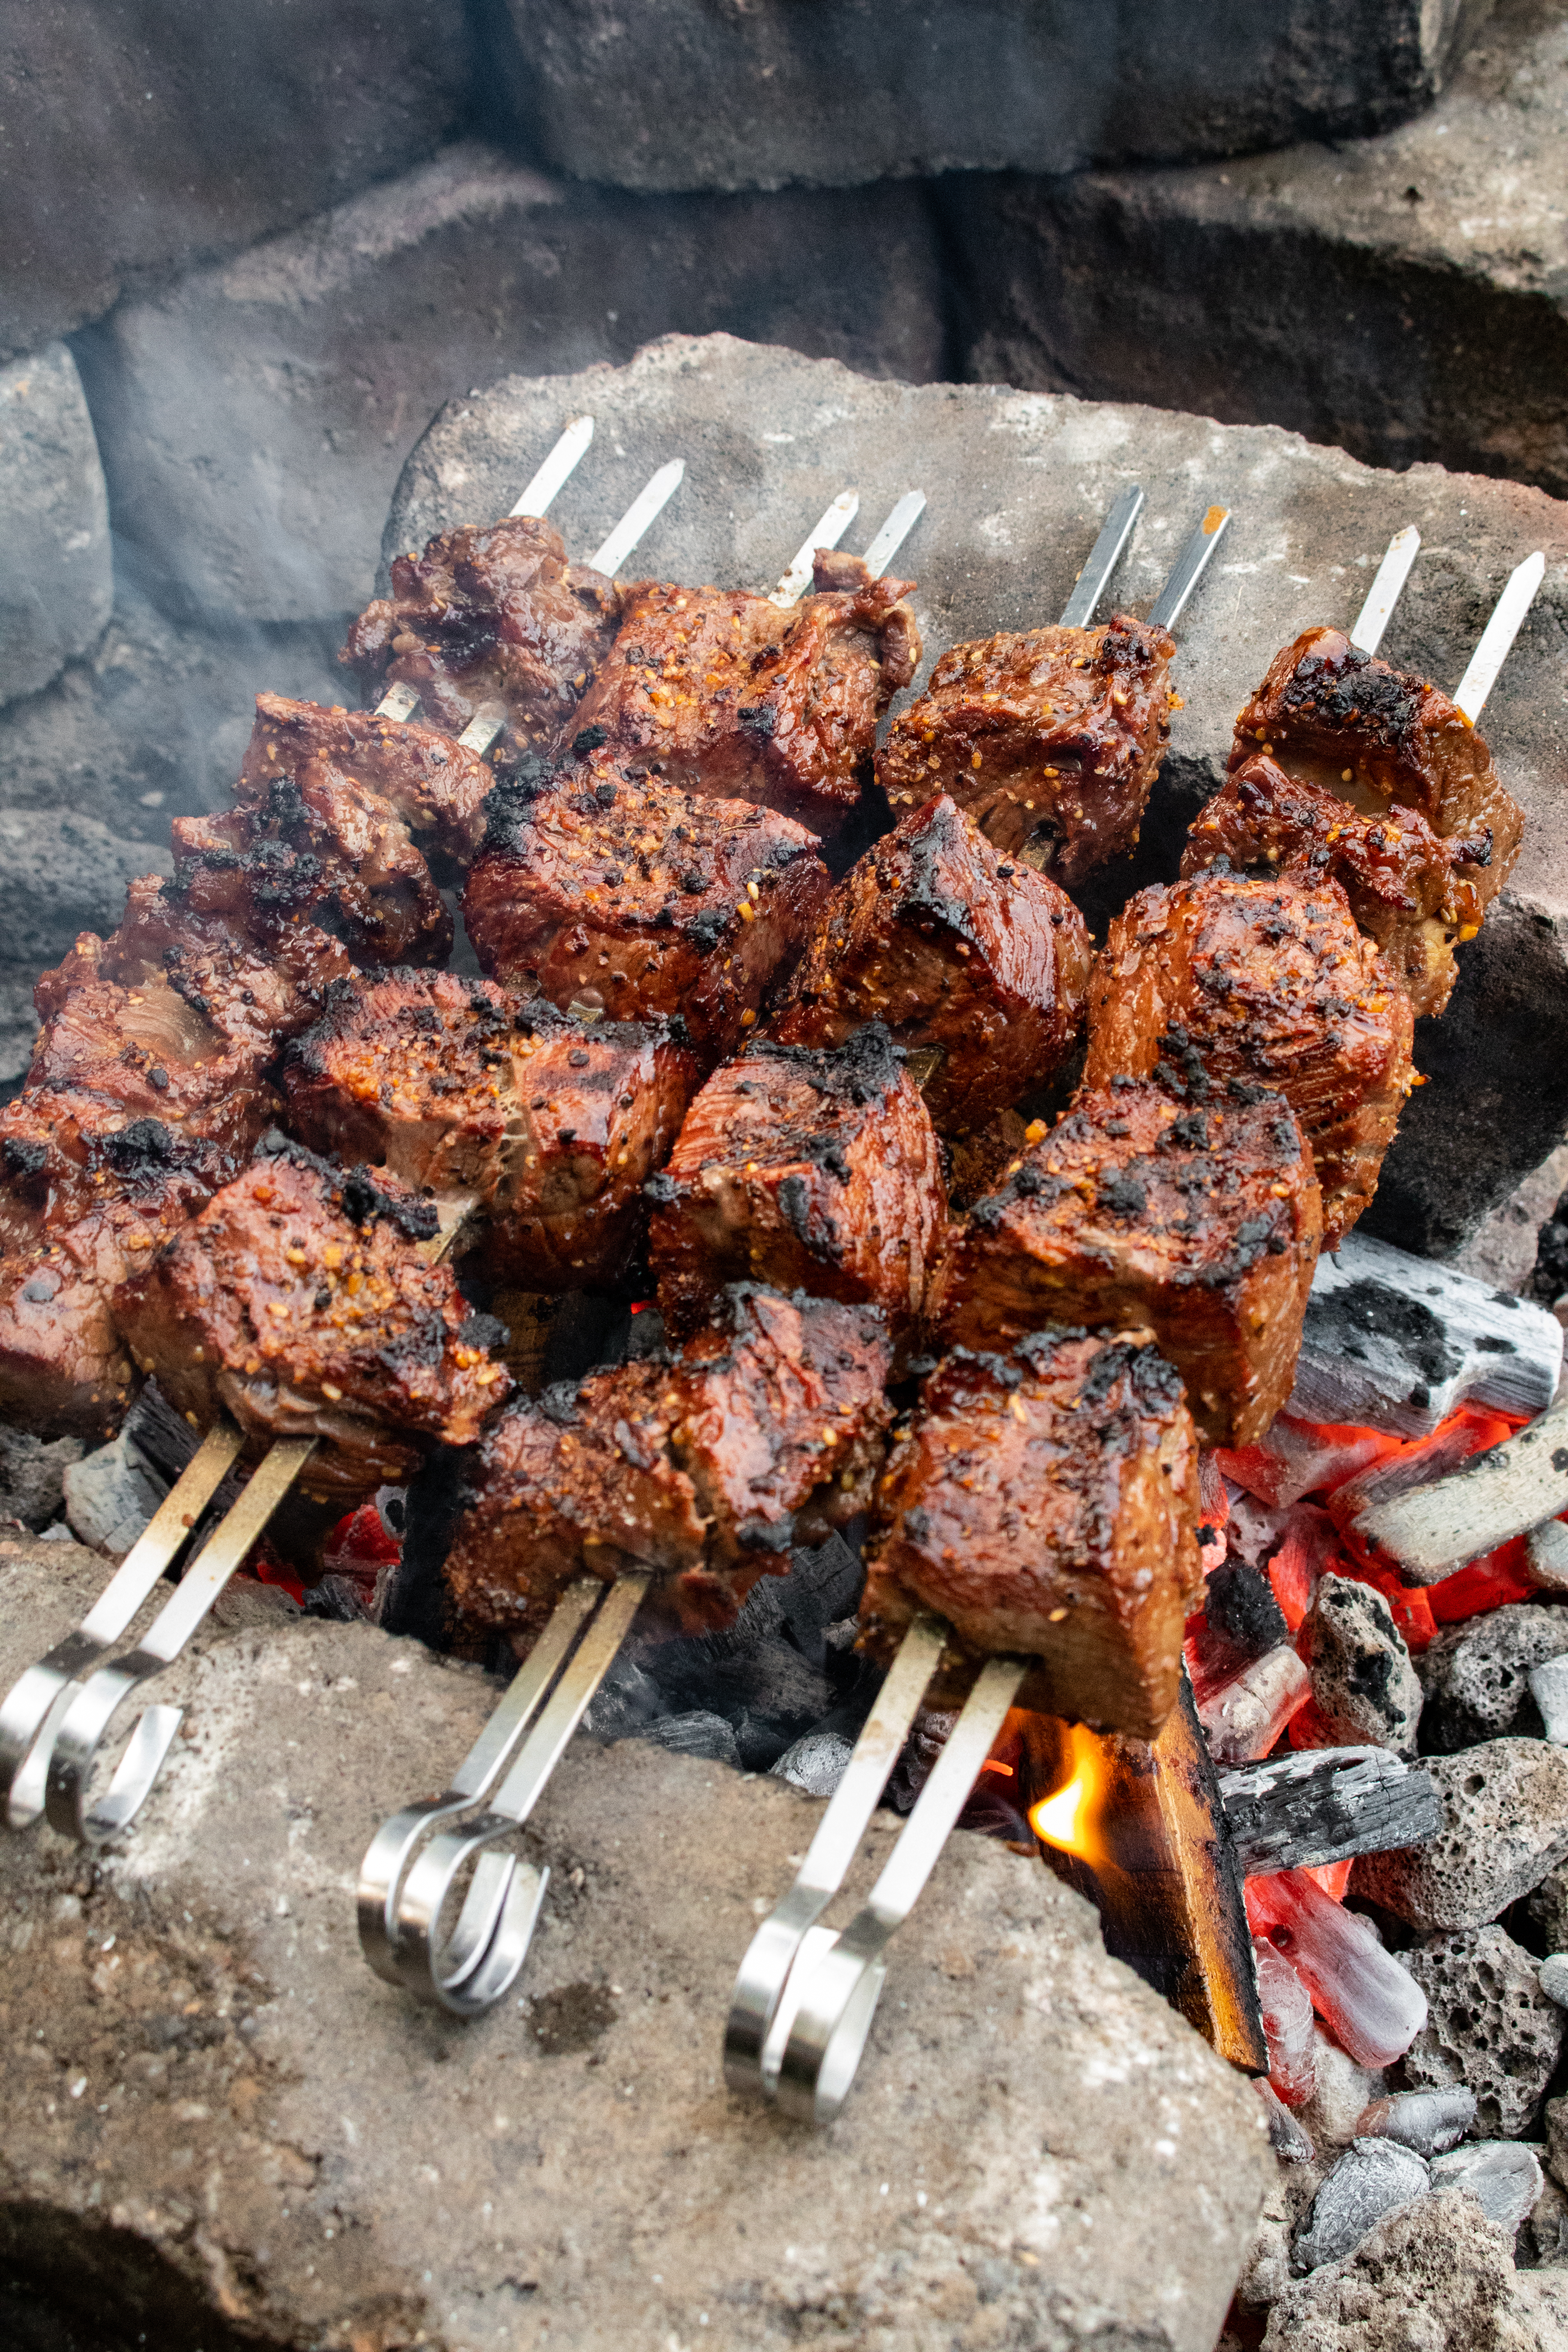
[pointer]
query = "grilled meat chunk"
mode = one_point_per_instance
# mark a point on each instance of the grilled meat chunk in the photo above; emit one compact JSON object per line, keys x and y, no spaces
{"x":1203,"y":1224}
{"x":436,"y":787}
{"x":1220,"y":983}
{"x":490,"y":614}
{"x":553,"y":1124}
{"x":1050,"y":739}
{"x":1340,"y":719}
{"x":980,"y":965}
{"x":810,"y":1170}
{"x":1410,"y":892}
{"x":255,"y":981}
{"x":1047,"y":1502}
{"x":602,"y":889}
{"x":723,"y":693}
{"x":300,"y":1300}
{"x":765,"y":1431}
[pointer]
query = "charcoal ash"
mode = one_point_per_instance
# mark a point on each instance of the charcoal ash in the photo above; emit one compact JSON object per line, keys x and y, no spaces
{"x":1368,"y":2180}
{"x":1552,"y":1978}
{"x":1431,"y":2121}
{"x":32,"y":1476}
{"x":1503,"y":2176}
{"x":815,"y":1763}
{"x":701,"y":1733}
{"x":1549,"y":1689}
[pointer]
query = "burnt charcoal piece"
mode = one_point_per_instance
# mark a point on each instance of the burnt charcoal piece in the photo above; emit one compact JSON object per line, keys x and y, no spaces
{"x":302,"y":1301}
{"x":766,"y":1432}
{"x":554,"y":1123}
{"x":1410,"y":892}
{"x":490,"y":613}
{"x":819,"y":1171}
{"x":1050,"y":740}
{"x":980,"y":966}
{"x":731,"y":697}
{"x":1203,"y":1222}
{"x":1047,"y":1502}
{"x":438,"y":788}
{"x":1296,"y":1813}
{"x":610,"y":890}
{"x":1219,"y":985}
{"x":1340,"y":719}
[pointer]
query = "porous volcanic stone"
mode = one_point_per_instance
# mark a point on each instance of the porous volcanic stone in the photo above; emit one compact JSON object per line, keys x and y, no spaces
{"x":1489,"y":2026}
{"x":1371,"y":2177}
{"x":1477,"y":1675}
{"x":1362,"y":1681}
{"x":1435,"y":2275}
{"x":213,"y":2106}
{"x":1505,"y":1807}
{"x":254,"y":417}
{"x":57,"y":583}
{"x":62,"y":874}
{"x":140,"y":137}
{"x":678,"y":94}
{"x":1403,"y":297}
{"x":1018,"y":484}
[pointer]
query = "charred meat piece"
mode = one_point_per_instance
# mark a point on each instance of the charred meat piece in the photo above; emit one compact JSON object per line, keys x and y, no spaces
{"x":490,"y":614}
{"x":704,"y":1468}
{"x":980,"y":966}
{"x":1412,"y":892}
{"x":438,"y":788}
{"x":1049,"y":738}
{"x":1220,"y":983}
{"x":1340,"y":719}
{"x":604,"y":890}
{"x":812,"y":1170}
{"x":553,"y":1124}
{"x":1202,"y":1223}
{"x":723,"y":693}
{"x":1046,"y":1502}
{"x":300,"y":1300}
{"x":256,"y":982}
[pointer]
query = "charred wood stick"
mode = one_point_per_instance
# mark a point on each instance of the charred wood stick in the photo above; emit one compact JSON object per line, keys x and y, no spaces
{"x":1324,"y":1805}
{"x":1429,"y":1532}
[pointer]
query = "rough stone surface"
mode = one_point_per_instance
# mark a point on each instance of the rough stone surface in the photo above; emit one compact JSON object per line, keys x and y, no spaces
{"x":1488,"y":2026}
{"x":674,"y":94}
{"x":57,"y":583}
{"x":156,"y":135}
{"x":214,"y":2107}
{"x":1018,"y":484}
{"x":1544,"y":2237}
{"x":1505,"y":1825}
{"x":1503,"y":2176}
{"x":32,"y":1476}
{"x":1362,"y":1681}
{"x":1433,"y":2276}
{"x":1477,"y":1676}
{"x":253,"y":417}
{"x":1548,"y":1910}
{"x":1502,"y":1249}
{"x":815,"y":1763}
{"x":1433,"y":262}
{"x":1371,"y":2177}
{"x":61,"y":874}
{"x":1341,"y":2093}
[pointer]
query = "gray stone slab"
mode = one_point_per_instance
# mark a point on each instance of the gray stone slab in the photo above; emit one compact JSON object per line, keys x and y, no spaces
{"x":679,"y":94}
{"x":1402,"y":296}
{"x":1018,"y":484}
{"x":61,"y":874}
{"x":254,"y":417}
{"x":213,"y":2108}
{"x":56,"y":581}
{"x":148,"y":136}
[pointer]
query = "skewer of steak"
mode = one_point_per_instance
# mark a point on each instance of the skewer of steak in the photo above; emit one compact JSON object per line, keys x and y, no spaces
{"x":979,"y":965}
{"x":548,"y":1125}
{"x":810,"y":1168}
{"x":1202,"y":1224}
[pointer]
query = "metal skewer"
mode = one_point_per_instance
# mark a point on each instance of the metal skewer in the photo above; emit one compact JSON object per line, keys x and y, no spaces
{"x":1519,"y":595}
{"x":894,"y":533}
{"x":1103,"y":558}
{"x":795,"y":577}
{"x":1189,"y":567}
{"x":1387,"y":587}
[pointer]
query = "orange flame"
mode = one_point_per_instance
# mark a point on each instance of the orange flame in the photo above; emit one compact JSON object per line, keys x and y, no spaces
{"x":1068,"y":1817}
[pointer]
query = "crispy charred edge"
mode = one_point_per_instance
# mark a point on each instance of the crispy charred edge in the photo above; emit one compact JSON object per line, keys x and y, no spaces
{"x":355,"y":1190}
{"x":142,"y":1152}
{"x":1257,"y":790}
{"x":496,"y":1015}
{"x":1349,"y":687}
{"x":515,"y":804}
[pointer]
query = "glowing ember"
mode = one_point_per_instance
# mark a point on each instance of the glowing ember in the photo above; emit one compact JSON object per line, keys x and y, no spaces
{"x":1067,"y":1818}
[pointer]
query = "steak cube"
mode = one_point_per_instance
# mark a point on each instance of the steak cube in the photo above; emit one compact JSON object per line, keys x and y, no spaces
{"x":1046,"y":1503}
{"x":1050,"y":740}
{"x":979,"y":965}
{"x":811,"y":1170}
{"x":610,"y":891}
{"x":765,"y":1432}
{"x":434,"y":786}
{"x":254,"y":988}
{"x":1220,"y":983}
{"x":1203,"y":1224}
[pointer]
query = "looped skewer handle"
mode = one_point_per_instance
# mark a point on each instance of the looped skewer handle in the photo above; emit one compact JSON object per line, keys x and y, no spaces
{"x":90,"y":1707}
{"x":835,"y":2005}
{"x":31,"y":1711}
{"x":407,"y":1887}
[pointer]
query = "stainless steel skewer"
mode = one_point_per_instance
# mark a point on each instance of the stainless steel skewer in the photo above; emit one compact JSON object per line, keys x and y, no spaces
{"x":1103,"y":558}
{"x":1507,"y":617}
{"x":1189,"y":567}
{"x":1387,"y":587}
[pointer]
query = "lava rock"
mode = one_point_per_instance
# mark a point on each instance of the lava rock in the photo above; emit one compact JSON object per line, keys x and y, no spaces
{"x":678,"y":94}
{"x":1547,"y":1910}
{"x":1431,"y":2121}
{"x":1544,"y":2237}
{"x":1363,"y":1683}
{"x":1503,"y":2177}
{"x":1023,"y":486}
{"x":32,"y":1476}
{"x":1477,"y":1676}
{"x":1370,"y":2179}
{"x":57,"y":582}
{"x":701,"y":1732}
{"x":1433,"y":2274}
{"x":61,"y":874}
{"x":253,"y":416}
{"x":816,"y":1763}
{"x":1505,"y":1807}
{"x":1489,"y":2026}
{"x":140,"y":138}
{"x":1557,"y":2138}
